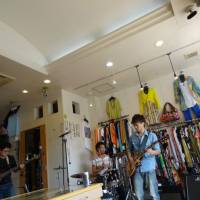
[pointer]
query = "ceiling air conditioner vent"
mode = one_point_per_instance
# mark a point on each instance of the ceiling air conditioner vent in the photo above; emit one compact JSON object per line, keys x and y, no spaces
{"x":4,"y":79}
{"x":191,"y":55}
{"x":103,"y":88}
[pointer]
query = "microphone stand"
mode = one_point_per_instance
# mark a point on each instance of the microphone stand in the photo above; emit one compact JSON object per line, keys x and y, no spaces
{"x":64,"y":158}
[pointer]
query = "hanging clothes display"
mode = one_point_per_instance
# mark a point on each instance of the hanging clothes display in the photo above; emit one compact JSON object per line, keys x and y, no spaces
{"x":181,"y":153}
{"x":149,"y":105}
{"x":114,"y":134}
{"x":113,"y":108}
{"x":187,"y":93}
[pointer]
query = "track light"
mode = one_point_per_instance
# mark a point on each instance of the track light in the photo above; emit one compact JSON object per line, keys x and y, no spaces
{"x":191,"y":11}
{"x":141,"y":86}
{"x":175,"y":76}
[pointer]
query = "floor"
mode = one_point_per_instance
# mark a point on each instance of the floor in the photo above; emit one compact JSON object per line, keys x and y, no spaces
{"x":167,"y":196}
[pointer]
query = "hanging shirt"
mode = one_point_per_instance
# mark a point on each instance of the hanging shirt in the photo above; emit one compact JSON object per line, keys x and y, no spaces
{"x":87,"y":135}
{"x":13,"y":125}
{"x":194,"y":91}
{"x":113,"y":108}
{"x":149,"y":105}
{"x":150,"y":96}
{"x":189,"y":99}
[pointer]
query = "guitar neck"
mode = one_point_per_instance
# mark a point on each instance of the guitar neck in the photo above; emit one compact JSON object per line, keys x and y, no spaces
{"x":15,"y":169}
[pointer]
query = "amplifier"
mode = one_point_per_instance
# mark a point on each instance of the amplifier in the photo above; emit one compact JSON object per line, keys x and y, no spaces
{"x":192,"y":184}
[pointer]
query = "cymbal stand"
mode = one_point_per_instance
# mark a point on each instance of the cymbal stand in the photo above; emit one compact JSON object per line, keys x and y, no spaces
{"x":65,"y":158}
{"x":126,"y":180}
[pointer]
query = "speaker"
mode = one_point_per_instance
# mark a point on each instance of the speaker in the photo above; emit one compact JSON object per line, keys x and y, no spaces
{"x":192,"y":185}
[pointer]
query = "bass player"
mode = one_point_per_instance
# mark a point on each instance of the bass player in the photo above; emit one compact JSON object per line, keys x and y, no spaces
{"x":139,"y":140}
{"x":7,"y":162}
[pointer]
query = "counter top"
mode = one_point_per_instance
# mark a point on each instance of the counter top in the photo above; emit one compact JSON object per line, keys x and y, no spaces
{"x":46,"y":194}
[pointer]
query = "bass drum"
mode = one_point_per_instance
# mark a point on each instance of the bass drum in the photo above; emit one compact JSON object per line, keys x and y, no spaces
{"x":113,"y":175}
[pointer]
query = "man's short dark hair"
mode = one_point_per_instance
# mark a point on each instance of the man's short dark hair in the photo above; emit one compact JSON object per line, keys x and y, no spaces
{"x":138,"y":118}
{"x":98,"y":145}
{"x":4,"y":145}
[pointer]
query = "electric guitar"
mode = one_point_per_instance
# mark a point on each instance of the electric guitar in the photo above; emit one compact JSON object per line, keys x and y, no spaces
{"x":137,"y":156}
{"x":4,"y":174}
{"x":134,"y":159}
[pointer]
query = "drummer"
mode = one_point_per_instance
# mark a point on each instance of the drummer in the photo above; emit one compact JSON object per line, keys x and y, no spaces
{"x":102,"y":163}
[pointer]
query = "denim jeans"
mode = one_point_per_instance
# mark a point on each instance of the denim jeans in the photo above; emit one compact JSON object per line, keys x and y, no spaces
{"x":188,"y":115}
{"x":138,"y":181}
{"x":6,"y":190}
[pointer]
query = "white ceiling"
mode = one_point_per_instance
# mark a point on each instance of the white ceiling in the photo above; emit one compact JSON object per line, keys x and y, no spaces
{"x":25,"y":78}
{"x":57,"y":28}
{"x":50,"y":28}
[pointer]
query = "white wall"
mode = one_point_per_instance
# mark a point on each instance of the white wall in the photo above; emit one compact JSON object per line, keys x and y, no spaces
{"x":53,"y":125}
{"x":129,"y":97}
{"x":80,"y":156}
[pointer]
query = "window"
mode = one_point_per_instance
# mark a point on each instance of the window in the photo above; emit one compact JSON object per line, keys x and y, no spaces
{"x":53,"y":107}
{"x":75,"y":108}
{"x":38,"y":112}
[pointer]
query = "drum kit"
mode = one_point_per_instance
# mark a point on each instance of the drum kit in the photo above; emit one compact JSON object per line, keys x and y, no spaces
{"x":116,"y":182}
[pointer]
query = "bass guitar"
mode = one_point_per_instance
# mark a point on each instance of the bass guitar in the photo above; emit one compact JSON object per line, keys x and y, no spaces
{"x":14,"y":169}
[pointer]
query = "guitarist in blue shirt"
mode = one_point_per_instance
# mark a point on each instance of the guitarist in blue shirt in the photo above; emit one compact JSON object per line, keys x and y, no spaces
{"x":7,"y":162}
{"x":139,"y":141}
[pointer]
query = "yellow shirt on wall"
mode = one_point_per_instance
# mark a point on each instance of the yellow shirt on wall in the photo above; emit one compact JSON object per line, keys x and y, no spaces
{"x":144,"y":98}
{"x":113,"y":108}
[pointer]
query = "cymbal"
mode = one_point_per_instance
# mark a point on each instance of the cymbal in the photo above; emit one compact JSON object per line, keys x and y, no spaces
{"x":79,"y":175}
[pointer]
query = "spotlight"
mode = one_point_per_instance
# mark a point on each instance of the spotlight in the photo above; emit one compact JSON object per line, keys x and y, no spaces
{"x":191,"y":10}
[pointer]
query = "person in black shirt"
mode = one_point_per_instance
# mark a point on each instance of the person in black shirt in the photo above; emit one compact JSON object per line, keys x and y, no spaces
{"x":7,"y":162}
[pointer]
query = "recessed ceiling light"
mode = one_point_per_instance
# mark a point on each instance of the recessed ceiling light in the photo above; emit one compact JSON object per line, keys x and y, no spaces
{"x":159,"y":43}
{"x":47,"y":81}
{"x":91,"y":105}
{"x":25,"y":91}
{"x":114,"y":82}
{"x":109,"y":64}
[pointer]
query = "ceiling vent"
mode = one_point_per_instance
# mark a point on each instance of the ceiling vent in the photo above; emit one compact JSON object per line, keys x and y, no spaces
{"x":4,"y":79}
{"x":103,"y":88}
{"x":191,"y":55}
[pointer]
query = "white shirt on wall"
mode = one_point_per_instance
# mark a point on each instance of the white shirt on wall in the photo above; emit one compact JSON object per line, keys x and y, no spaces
{"x":189,"y":99}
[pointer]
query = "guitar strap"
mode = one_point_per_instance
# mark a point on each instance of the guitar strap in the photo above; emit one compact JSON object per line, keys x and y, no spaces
{"x":144,"y":142}
{"x":7,"y":160}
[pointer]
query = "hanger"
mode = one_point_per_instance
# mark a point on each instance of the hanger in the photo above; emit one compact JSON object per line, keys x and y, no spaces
{"x":182,"y":77}
{"x":85,"y":119}
{"x":112,"y":98}
{"x":146,"y":88}
{"x":15,"y":108}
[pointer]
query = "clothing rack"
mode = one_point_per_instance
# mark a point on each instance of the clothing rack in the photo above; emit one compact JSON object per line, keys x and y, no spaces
{"x":113,"y":120}
{"x":171,"y":124}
